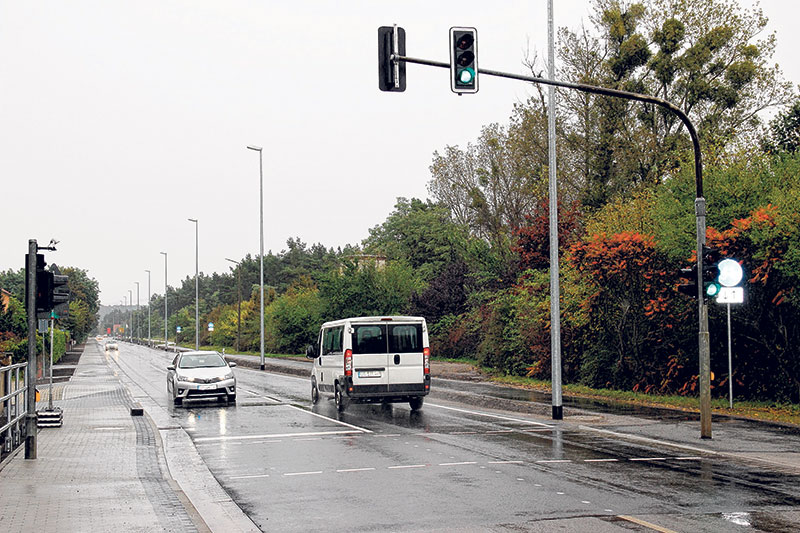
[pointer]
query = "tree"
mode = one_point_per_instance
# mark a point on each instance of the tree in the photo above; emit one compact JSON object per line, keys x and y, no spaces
{"x":784,"y":131}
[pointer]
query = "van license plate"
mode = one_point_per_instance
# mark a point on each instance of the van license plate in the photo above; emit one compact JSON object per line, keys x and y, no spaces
{"x":369,"y":374}
{"x":207,"y":387}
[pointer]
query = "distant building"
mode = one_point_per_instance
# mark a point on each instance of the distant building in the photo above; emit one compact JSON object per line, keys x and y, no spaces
{"x":363,"y":260}
{"x":5,"y":298}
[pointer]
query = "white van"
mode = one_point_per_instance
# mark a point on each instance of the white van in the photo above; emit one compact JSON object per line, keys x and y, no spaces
{"x":372,"y":359}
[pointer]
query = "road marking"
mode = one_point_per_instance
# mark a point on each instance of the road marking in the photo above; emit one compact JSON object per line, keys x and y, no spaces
{"x":560,"y":493}
{"x":111,"y":428}
{"x":265,"y":442}
{"x":302,"y":473}
{"x":387,"y":435}
{"x":501,"y":431}
{"x":600,"y":460}
{"x":505,"y":462}
{"x":249,"y":391}
{"x":355,"y":469}
{"x":249,"y":477}
{"x":272,"y":436}
{"x":647,"y":459}
{"x":463,"y":432}
{"x":461,"y":463}
{"x":407,"y":466}
{"x":521,"y":421}
{"x":648,"y":525}
{"x":688,"y":458}
{"x":555,"y":461}
{"x":586,"y":501}
{"x":362,"y":430}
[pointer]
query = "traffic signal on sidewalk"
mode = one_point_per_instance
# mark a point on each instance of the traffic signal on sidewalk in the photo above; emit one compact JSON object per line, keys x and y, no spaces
{"x":60,"y":295}
{"x":711,"y":284}
{"x":391,"y":74}
{"x":463,"y":60}
{"x":689,"y":288}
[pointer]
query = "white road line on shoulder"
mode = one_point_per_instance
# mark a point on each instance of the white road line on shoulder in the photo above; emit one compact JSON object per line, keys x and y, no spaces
{"x":600,"y":460}
{"x":687,"y":458}
{"x":272,"y":436}
{"x":505,"y":462}
{"x":647,"y":459}
{"x":461,"y":463}
{"x":554,"y":461}
{"x":302,"y":473}
{"x":249,"y":477}
{"x":355,"y":469}
{"x":406,"y":466}
{"x":362,"y":430}
{"x":479,"y":413}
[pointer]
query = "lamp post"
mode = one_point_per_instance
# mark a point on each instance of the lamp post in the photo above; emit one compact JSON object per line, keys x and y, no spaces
{"x":239,"y":306}
{"x":124,"y":307}
{"x":148,"y":308}
{"x":196,"y":284}
{"x":138,"y":332}
{"x":130,"y":314}
{"x":261,"y":241}
{"x":166,"y":336}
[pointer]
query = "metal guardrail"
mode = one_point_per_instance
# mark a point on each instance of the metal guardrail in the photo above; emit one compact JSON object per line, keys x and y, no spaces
{"x":13,"y":408}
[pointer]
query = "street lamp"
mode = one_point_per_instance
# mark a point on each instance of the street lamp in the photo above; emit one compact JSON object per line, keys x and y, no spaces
{"x":196,"y":286}
{"x":148,"y":308}
{"x":239,"y":307}
{"x":261,"y":241}
{"x":166,"y":336}
{"x":130,"y":314}
{"x":138,"y":333}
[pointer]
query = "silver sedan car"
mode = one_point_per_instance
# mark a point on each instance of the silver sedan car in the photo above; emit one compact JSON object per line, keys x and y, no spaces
{"x":200,"y":375}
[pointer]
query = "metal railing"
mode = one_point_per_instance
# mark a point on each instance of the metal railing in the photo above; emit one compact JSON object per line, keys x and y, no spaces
{"x":13,"y":408}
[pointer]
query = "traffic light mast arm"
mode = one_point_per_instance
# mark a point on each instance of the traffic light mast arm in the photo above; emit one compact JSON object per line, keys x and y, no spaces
{"x":699,"y":207}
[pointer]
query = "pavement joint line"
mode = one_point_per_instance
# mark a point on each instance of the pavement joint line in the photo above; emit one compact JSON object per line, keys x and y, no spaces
{"x":646,"y":524}
{"x":362,"y":430}
{"x":302,"y":473}
{"x":406,"y":466}
{"x":522,"y":421}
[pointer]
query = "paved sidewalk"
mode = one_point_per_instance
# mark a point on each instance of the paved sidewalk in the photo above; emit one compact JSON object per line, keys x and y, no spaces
{"x":103,"y":470}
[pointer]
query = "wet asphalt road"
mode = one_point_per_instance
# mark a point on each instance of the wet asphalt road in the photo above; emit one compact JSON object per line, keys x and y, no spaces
{"x":292,"y":466}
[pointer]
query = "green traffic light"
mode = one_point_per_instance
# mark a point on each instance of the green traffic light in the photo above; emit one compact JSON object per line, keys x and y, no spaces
{"x":465,"y":76}
{"x":712,"y":289}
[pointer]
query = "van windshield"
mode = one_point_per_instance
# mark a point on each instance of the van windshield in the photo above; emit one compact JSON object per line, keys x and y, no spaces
{"x":382,"y":338}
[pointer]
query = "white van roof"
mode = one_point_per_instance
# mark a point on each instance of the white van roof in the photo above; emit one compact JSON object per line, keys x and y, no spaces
{"x":371,"y":319}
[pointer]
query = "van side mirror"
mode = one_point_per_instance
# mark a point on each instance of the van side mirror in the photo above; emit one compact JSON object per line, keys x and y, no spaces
{"x":311,"y":351}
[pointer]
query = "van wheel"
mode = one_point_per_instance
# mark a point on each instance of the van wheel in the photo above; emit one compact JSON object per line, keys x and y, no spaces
{"x":416,"y":403}
{"x":314,"y":391}
{"x":339,"y":398}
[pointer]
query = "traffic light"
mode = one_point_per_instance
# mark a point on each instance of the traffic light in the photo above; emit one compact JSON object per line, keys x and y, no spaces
{"x":690,"y":288}
{"x":391,"y":74}
{"x":59,"y":295}
{"x":711,"y":284}
{"x":464,"y":60}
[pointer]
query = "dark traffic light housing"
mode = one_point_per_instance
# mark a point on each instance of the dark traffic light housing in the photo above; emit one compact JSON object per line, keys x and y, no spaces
{"x":463,"y":60}
{"x":391,"y":74}
{"x":711,"y":286}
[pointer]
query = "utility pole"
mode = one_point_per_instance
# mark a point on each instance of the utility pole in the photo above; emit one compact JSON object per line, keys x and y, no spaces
{"x":166,"y":336}
{"x":30,"y":373}
{"x":149,"y":337}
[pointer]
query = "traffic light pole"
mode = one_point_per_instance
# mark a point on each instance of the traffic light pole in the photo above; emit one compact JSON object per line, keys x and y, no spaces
{"x":30,"y":373}
{"x":699,"y":207}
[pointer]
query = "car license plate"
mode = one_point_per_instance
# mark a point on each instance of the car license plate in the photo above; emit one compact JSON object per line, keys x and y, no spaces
{"x":207,"y":387}
{"x":369,"y":374}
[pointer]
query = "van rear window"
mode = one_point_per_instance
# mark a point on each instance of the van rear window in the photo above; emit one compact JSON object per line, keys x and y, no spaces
{"x":380,"y":338}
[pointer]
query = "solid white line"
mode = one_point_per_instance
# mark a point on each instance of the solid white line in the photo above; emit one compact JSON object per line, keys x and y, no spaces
{"x":273,"y":436}
{"x":600,"y":460}
{"x":461,"y":463}
{"x":388,"y":435}
{"x":249,"y":477}
{"x":505,"y":462}
{"x":331,"y":419}
{"x":302,"y":473}
{"x":355,"y":469}
{"x":555,"y":461}
{"x":407,"y":466}
{"x":688,"y":458}
{"x":647,"y":459}
{"x":489,"y":415}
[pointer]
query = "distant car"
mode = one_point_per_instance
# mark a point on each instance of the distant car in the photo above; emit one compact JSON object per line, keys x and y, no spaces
{"x":111,"y":346}
{"x":200,"y":374}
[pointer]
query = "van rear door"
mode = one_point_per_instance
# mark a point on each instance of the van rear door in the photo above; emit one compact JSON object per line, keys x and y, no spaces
{"x":405,"y":345}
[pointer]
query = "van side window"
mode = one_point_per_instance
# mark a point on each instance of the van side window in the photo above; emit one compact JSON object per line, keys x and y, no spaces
{"x":332,"y":340}
{"x":405,"y":338}
{"x":369,"y":339}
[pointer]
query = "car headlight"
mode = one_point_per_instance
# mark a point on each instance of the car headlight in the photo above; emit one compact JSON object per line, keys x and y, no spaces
{"x":185,"y":378}
{"x":229,"y":375}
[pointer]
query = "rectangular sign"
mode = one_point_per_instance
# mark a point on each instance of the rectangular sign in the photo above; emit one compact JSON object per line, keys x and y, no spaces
{"x":730,"y":295}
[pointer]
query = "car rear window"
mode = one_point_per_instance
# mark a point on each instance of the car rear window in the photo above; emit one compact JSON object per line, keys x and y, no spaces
{"x":380,"y":338}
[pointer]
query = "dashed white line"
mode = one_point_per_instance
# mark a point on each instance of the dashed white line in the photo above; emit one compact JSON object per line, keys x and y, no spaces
{"x":355,"y":469}
{"x":600,"y":460}
{"x":505,"y":462}
{"x":688,"y":458}
{"x":362,"y":430}
{"x":406,"y":466}
{"x":250,"y":477}
{"x":302,"y":473}
{"x":647,"y":459}
{"x":461,"y":463}
{"x":555,"y":461}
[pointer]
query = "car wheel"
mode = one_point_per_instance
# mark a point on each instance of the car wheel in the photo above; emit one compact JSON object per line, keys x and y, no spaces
{"x":314,"y":391}
{"x":339,"y":398}
{"x":231,"y":398}
{"x":415,"y":403}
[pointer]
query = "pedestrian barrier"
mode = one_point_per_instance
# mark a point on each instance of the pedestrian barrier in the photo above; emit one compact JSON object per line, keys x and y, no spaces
{"x":13,"y":406}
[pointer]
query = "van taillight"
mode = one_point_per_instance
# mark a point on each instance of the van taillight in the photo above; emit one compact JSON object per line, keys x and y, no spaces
{"x":426,"y":360}
{"x":348,"y":362}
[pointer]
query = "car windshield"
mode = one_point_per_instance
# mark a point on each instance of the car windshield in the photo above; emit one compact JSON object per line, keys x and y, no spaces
{"x":211,"y":360}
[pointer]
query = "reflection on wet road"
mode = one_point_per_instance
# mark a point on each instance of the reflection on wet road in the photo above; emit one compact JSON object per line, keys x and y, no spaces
{"x":294,"y":467}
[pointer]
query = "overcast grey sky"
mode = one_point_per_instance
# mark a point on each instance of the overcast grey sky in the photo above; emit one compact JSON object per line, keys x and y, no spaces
{"x":121,"y":119}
